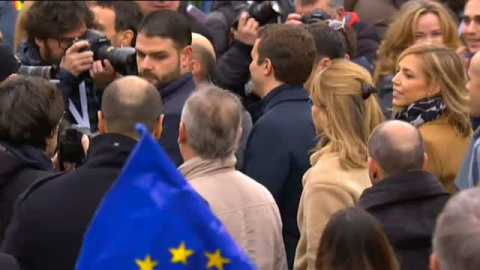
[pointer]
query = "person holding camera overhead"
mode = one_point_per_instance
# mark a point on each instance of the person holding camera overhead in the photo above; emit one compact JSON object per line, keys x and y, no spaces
{"x":325,"y":10}
{"x":52,"y":28}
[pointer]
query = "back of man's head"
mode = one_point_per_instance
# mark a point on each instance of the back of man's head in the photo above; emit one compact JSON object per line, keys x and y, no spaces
{"x":30,"y":110}
{"x":128,"y":101}
{"x":397,"y":147}
{"x":291,"y":50}
{"x":456,"y":241}
{"x":204,"y":55}
{"x":329,"y":43}
{"x":167,"y":24}
{"x":53,"y":19}
{"x":128,"y":15}
{"x":212,"y":119}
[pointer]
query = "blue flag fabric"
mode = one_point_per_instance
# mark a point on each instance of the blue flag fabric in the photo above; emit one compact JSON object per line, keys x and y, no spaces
{"x":152,"y":219}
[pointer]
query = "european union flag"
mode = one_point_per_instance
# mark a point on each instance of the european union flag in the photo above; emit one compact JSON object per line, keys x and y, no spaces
{"x":152,"y":219}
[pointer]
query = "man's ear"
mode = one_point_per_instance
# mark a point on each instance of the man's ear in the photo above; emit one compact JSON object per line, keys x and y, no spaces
{"x":434,"y":265}
{"x":186,"y":56}
{"x":373,"y":170}
{"x":127,"y":38}
{"x":324,"y":63}
{"x":157,"y":133}
{"x":182,"y":133}
{"x":195,"y":67}
{"x":40,"y":42}
{"x":102,"y":126}
{"x":267,"y":67}
{"x":239,"y":137}
{"x":425,"y":162}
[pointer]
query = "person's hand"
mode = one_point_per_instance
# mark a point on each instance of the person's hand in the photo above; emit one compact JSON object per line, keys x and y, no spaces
{"x":77,"y":62}
{"x":102,"y":75}
{"x":294,"y":19}
{"x":247,"y":30}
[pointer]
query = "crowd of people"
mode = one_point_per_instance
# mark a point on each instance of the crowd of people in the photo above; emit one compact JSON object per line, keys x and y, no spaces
{"x":324,"y":134}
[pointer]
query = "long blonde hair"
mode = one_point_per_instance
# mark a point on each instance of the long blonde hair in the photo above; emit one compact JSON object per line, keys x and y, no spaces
{"x":349,"y":118}
{"x":401,"y":33}
{"x":20,"y":34}
{"x":444,"y":68}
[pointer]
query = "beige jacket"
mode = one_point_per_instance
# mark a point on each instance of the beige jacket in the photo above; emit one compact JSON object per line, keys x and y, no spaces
{"x":327,"y":188}
{"x":246,"y":208}
{"x":445,"y":150}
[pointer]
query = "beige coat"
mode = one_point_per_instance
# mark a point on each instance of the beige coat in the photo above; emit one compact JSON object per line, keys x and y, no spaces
{"x":246,"y":208}
{"x":445,"y":150}
{"x":327,"y":188}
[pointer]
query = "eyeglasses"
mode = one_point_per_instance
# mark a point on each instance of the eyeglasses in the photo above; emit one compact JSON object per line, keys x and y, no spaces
{"x":340,"y":26}
{"x":66,"y":42}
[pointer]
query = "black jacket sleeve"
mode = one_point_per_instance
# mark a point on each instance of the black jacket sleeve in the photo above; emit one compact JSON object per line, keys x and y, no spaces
{"x":233,"y":71}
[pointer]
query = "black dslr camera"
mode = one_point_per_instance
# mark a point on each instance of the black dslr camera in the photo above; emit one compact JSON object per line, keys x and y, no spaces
{"x":262,"y":11}
{"x":316,"y":16}
{"x":122,"y":59}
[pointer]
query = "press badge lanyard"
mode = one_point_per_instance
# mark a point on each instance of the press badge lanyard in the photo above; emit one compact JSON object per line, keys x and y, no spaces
{"x":82,"y":121}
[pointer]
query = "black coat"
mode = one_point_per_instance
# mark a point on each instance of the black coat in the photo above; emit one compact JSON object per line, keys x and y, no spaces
{"x":277,"y":153}
{"x":52,"y":216}
{"x":174,"y":96}
{"x":8,"y":262}
{"x":407,"y":205}
{"x":20,"y":167}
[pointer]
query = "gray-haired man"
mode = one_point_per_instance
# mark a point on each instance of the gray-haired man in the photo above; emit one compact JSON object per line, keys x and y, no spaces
{"x":210,"y":129}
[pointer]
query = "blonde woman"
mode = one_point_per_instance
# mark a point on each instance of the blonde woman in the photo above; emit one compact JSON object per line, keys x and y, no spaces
{"x":344,"y":113}
{"x":418,"y":22}
{"x":430,"y":93}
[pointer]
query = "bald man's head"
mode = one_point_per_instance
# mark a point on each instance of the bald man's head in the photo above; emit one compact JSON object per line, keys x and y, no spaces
{"x":473,"y":85}
{"x":203,"y":59}
{"x":128,"y":101}
{"x":397,"y":147}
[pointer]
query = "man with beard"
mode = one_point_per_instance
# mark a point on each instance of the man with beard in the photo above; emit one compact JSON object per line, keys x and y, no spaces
{"x":52,"y":27}
{"x":164,"y":53}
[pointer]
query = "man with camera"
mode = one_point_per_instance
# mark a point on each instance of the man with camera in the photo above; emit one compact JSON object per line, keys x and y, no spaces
{"x":310,"y":11}
{"x":52,"y":216}
{"x":53,"y":29}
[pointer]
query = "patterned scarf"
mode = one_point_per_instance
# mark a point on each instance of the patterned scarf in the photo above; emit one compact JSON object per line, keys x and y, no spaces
{"x":422,"y":111}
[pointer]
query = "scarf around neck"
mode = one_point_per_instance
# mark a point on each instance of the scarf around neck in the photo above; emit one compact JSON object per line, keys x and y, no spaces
{"x":423,"y":111}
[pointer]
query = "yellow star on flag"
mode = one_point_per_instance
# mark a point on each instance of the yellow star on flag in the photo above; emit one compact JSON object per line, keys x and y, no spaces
{"x":216,"y":260}
{"x":147,"y":264}
{"x":181,"y":254}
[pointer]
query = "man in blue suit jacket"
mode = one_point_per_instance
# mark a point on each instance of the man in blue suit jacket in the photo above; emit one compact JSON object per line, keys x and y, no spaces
{"x":277,"y":153}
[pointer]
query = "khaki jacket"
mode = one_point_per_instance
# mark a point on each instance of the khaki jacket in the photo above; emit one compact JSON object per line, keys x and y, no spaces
{"x":246,"y":208}
{"x":327,"y":188}
{"x":445,"y":150}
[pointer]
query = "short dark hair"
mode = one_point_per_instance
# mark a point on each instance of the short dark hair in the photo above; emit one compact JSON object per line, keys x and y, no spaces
{"x":207,"y":59}
{"x":167,"y":24}
{"x":128,"y":101}
{"x":394,"y":159}
{"x":355,"y":234}
{"x":329,"y":43}
{"x":30,"y":110}
{"x":291,"y":50}
{"x":128,"y":15}
{"x":53,"y":19}
{"x":333,"y":3}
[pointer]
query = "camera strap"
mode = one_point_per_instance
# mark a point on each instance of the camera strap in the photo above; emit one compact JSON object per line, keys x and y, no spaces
{"x":82,"y":121}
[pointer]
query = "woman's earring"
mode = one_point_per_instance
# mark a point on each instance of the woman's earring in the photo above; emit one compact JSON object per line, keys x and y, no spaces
{"x":428,"y":96}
